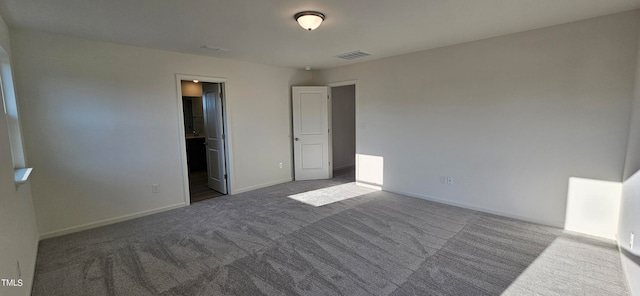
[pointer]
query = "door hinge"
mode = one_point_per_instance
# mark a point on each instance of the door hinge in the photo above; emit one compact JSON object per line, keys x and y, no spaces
{"x":329,"y":163}
{"x":328,"y":130}
{"x":225,"y":176}
{"x":222,"y":136}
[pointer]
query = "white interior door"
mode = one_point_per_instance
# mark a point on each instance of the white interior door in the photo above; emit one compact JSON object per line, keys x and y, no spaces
{"x":216,"y":167}
{"x":311,"y":144}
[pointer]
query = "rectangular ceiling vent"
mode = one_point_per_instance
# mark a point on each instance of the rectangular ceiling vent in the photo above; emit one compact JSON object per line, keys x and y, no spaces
{"x":214,"y":48}
{"x":353,"y":55}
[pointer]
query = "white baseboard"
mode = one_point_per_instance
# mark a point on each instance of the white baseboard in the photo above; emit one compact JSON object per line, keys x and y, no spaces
{"x":624,"y":267}
{"x":241,"y":190}
{"x":556,"y":224}
{"x":108,"y":221}
{"x":371,"y":186}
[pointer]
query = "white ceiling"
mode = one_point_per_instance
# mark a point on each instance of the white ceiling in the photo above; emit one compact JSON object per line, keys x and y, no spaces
{"x":264,"y":31}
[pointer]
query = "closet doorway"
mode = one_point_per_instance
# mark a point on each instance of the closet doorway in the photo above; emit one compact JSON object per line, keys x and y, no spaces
{"x":343,"y":127}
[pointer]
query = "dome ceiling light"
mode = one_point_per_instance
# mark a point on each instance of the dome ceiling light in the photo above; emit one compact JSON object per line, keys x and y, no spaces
{"x":309,"y":20}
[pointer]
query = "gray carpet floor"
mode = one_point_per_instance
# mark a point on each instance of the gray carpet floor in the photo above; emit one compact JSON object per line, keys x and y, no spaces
{"x":378,"y":243}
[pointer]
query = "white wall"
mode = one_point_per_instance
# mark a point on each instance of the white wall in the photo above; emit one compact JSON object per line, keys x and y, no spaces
{"x":18,"y":237}
{"x":343,"y":125}
{"x":102,"y":125}
{"x":630,"y":222}
{"x":510,"y":118}
{"x":632,"y":160}
{"x":630,"y":203}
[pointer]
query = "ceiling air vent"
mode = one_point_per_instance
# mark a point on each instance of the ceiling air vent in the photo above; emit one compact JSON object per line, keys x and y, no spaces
{"x":214,"y":48}
{"x":353,"y":55}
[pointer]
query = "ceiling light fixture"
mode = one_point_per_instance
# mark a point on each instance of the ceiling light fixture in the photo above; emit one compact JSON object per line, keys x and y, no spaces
{"x":196,"y":81}
{"x":309,"y":20}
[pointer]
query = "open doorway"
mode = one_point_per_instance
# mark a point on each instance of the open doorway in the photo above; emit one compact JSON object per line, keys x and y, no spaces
{"x":204,"y":135}
{"x":343,"y":125}
{"x":324,"y":131}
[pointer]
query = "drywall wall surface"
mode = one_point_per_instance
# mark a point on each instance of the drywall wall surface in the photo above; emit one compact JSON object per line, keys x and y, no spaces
{"x":102,"y":125}
{"x":632,"y":160}
{"x":593,"y":207}
{"x":510,"y":118}
{"x":630,"y":223}
{"x":18,"y":236}
{"x":343,"y":125}
{"x":5,"y":42}
{"x":630,"y":202}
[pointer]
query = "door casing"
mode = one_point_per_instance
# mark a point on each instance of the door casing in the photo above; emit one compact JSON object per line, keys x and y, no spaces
{"x":181,"y":134}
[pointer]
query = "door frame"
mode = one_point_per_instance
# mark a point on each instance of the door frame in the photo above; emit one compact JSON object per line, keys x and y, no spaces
{"x":181,"y":131}
{"x":345,"y":83}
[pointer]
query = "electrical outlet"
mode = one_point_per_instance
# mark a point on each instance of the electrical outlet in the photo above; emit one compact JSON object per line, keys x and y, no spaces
{"x":631,"y":237}
{"x":280,"y":165}
{"x":155,"y":188}
{"x":449,"y":180}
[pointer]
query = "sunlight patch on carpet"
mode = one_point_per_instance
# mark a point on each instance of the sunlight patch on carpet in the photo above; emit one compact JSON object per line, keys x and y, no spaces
{"x":325,"y":196}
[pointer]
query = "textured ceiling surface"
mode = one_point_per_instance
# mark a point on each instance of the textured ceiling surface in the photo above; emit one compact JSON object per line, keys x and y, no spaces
{"x":265,"y":32}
